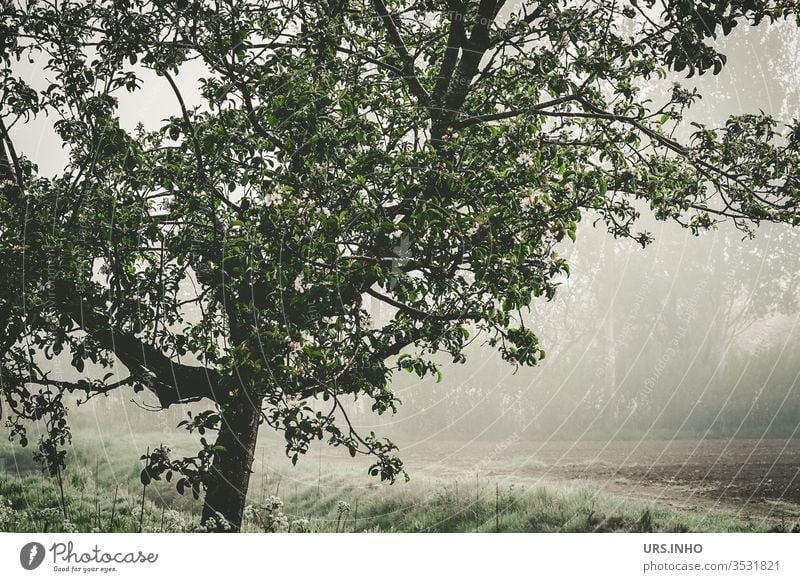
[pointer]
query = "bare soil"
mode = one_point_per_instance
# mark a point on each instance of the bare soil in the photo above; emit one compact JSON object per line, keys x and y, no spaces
{"x":750,"y":478}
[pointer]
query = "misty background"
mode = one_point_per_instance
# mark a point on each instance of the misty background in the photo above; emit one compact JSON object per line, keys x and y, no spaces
{"x":691,"y":337}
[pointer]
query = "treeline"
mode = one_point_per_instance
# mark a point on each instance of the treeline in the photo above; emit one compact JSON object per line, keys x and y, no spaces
{"x":688,"y":338}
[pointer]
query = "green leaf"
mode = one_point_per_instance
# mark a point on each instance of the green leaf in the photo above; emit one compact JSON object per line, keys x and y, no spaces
{"x":347,"y":106}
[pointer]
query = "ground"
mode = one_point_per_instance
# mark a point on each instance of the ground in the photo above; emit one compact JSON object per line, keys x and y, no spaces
{"x":748,"y":478}
{"x":648,"y":485}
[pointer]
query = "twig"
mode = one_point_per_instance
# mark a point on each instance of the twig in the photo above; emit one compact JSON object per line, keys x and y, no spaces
{"x":144,"y":489}
{"x":263,"y":476}
{"x":113,"y":508}
{"x":497,"y":507}
{"x":96,"y":490}
{"x":477,"y":500}
{"x":141,"y":513}
{"x":319,"y":469}
{"x":61,"y":490}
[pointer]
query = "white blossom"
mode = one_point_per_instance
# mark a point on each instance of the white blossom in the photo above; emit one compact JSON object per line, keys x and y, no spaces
{"x":524,"y":158}
{"x":530,"y":200}
{"x":273,"y":198}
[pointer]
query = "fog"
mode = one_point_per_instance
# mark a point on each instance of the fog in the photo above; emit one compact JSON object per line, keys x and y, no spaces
{"x":690,"y":337}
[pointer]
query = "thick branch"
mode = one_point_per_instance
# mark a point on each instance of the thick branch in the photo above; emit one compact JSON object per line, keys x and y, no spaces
{"x":455,"y":40}
{"x":172,"y":383}
{"x":474,"y":49}
{"x":8,"y":157}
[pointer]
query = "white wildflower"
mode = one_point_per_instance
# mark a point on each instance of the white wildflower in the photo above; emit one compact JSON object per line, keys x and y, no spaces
{"x":278,"y":523}
{"x":268,"y":515}
{"x":173,"y":522}
{"x":273,"y":503}
{"x":9,"y":517}
{"x":301,"y":525}
{"x":217,"y":522}
{"x":43,"y":518}
{"x":250,"y":512}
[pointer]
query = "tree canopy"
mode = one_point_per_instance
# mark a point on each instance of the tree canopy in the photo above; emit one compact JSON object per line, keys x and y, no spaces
{"x":318,"y":158}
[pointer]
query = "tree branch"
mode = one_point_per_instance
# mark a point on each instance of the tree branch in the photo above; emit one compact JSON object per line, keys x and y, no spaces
{"x":196,"y":144}
{"x":455,"y":40}
{"x":172,"y":383}
{"x":472,"y":53}
{"x":419,"y":314}
{"x":409,"y":70}
{"x":7,"y":152}
{"x":538,"y":108}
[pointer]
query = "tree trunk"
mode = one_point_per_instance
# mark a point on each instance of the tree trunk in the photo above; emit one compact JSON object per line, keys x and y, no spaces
{"x":227,"y":490}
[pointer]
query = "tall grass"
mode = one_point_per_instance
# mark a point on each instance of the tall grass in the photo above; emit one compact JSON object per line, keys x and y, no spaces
{"x":34,"y":501}
{"x":109,"y":497}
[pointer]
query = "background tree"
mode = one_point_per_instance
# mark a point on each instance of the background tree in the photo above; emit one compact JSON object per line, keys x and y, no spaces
{"x":425,"y":155}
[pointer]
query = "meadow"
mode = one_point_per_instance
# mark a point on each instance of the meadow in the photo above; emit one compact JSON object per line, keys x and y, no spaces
{"x":481,"y":488}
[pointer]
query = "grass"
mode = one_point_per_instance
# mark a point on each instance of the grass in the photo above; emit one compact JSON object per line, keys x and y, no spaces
{"x":103,"y":493}
{"x":441,"y":507}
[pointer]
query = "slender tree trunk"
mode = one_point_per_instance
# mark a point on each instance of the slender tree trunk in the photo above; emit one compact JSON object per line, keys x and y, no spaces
{"x":227,"y":491}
